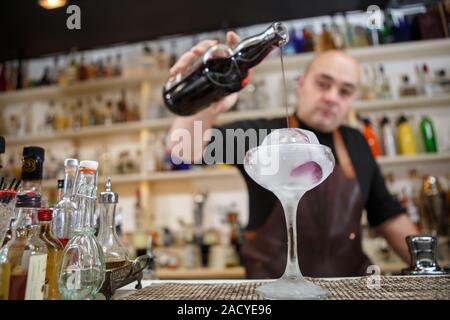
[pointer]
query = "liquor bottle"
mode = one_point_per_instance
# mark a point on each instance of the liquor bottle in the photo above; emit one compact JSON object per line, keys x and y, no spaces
{"x":389,"y":144}
{"x":214,"y":76}
{"x":26,"y":253}
{"x":115,"y":253}
{"x":32,"y":169}
{"x":163,"y":60}
{"x":83,"y":73}
{"x":64,"y":213}
{"x":387,"y":32}
{"x":371,"y":138}
{"x":3,"y":77}
{"x":384,"y":87}
{"x":428,"y":134}
{"x":308,"y":40}
{"x":72,"y":71}
{"x":117,"y":72}
{"x":54,"y":255}
{"x":326,"y":39}
{"x":406,"y":89}
{"x":122,"y":107}
{"x":406,"y":142}
{"x":54,"y":71}
{"x":83,"y":266}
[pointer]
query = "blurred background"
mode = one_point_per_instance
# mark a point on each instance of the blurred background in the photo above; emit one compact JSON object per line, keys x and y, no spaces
{"x":94,"y":92}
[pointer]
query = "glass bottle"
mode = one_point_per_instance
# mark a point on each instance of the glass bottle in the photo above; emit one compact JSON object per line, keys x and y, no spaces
{"x":406,"y":89}
{"x":26,"y":254}
{"x":389,"y":144}
{"x":54,"y":255}
{"x":220,"y":72}
{"x":384,"y":87}
{"x":116,"y":254}
{"x":32,"y":169}
{"x":406,"y":141}
{"x":83,"y":266}
{"x":64,"y":213}
{"x":371,"y":138}
{"x":428,"y":134}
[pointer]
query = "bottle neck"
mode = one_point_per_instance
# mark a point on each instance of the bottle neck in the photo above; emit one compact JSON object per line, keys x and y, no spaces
{"x":107,"y":219}
{"x":251,"y":51}
{"x":69,"y":180}
{"x":85,"y":198}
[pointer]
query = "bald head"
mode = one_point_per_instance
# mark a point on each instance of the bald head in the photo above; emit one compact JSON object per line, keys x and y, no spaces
{"x":326,"y":90}
{"x":337,"y":59}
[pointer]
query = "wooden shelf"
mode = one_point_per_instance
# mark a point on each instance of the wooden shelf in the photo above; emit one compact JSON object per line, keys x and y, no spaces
{"x":441,"y":100}
{"x":396,"y":51}
{"x":419,"y":158}
{"x":161,"y":176}
{"x":162,"y":124}
{"x":86,"y":87}
{"x":201,"y":273}
{"x":233,"y":172}
{"x":416,"y":49}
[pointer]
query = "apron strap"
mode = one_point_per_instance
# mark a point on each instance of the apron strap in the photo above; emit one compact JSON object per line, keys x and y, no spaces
{"x":341,"y":150}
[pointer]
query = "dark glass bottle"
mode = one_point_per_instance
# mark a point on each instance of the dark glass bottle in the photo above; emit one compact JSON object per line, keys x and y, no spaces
{"x":220,"y":72}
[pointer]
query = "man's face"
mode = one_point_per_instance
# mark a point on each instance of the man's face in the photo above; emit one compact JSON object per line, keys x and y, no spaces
{"x":327,"y":90}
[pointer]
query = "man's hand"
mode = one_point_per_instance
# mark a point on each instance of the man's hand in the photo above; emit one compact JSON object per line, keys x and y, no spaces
{"x":395,"y":230}
{"x":197,"y":52}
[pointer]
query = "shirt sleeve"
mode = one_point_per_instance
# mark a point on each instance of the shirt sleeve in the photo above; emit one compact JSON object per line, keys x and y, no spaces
{"x":230,"y":142}
{"x":380,"y":204}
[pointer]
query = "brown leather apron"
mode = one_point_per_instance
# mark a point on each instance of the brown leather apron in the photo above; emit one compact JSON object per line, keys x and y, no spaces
{"x":328,"y":228}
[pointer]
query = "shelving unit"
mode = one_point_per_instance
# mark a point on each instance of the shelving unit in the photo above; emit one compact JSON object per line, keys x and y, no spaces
{"x":409,"y":50}
{"x":149,"y":182}
{"x":442,"y":100}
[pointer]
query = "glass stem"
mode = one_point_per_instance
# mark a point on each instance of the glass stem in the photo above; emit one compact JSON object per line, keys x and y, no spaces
{"x":292,"y":271}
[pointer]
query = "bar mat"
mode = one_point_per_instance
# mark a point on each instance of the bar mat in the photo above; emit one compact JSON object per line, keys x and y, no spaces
{"x":390,"y":287}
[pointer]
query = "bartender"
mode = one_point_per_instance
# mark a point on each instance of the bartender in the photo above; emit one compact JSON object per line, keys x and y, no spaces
{"x":329,"y":216}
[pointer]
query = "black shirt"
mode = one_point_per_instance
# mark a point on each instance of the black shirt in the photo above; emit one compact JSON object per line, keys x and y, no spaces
{"x":379,"y":203}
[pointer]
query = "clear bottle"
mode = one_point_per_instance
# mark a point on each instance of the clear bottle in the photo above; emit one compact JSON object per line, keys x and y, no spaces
{"x":220,"y":72}
{"x":64,"y":214}
{"x":83,"y":265}
{"x":55,"y":250}
{"x":26,"y":254}
{"x":384,"y":86}
{"x":115,"y":253}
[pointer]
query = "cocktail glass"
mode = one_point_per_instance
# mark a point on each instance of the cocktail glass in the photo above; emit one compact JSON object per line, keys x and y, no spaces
{"x":290,"y":162}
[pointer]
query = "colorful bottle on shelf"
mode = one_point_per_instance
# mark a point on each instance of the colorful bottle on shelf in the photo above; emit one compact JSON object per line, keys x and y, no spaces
{"x":389,"y":144}
{"x":371,"y":138}
{"x":54,"y":249}
{"x":406,"y":142}
{"x":428,"y":134}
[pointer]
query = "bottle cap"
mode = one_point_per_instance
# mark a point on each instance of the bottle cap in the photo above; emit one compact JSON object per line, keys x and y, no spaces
{"x":108,"y":196}
{"x":402,"y":119}
{"x":89,"y":164}
{"x":33,"y":151}
{"x":45,"y":214}
{"x":385,"y":120}
{"x":60,"y":183}
{"x":70,"y":162}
